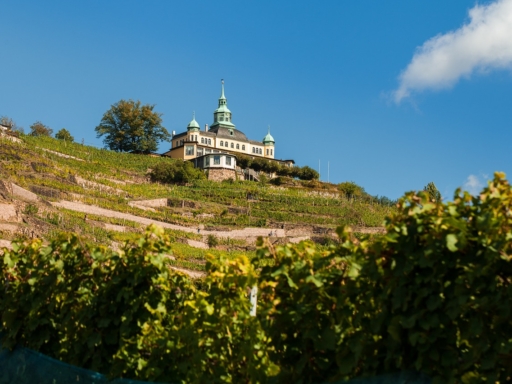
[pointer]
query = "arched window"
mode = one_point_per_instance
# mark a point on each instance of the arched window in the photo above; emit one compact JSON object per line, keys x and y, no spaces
{"x":267,"y":152}
{"x":252,"y":149}
{"x":261,"y":151}
{"x":272,"y":152}
{"x":238,"y":146}
{"x":221,"y":143}
{"x":209,"y":141}
{"x":243,"y":147}
{"x":226,"y":144}
{"x":232,"y":145}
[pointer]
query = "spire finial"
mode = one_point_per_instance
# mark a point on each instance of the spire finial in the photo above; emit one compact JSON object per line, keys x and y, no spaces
{"x":222,"y":93}
{"x":269,"y":129}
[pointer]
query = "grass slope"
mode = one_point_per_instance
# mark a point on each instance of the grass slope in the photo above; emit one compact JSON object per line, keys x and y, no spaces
{"x":112,"y":180}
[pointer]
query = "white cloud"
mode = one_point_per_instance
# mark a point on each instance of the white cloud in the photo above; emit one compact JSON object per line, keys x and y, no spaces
{"x":473,"y":185}
{"x":482,"y":44}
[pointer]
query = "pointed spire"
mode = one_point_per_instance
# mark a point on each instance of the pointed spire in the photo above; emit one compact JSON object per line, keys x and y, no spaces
{"x":222,"y":92}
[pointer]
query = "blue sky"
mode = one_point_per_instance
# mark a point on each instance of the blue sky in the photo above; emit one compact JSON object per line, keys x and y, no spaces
{"x":392,"y":94}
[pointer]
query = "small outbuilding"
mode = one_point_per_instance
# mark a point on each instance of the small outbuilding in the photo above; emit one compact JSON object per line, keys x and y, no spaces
{"x":219,"y":166}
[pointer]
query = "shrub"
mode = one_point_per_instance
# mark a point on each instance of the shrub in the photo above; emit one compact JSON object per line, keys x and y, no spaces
{"x":177,"y":171}
{"x":308,"y":173}
{"x":212,"y":241}
{"x":30,"y":209}
{"x":350,"y":189}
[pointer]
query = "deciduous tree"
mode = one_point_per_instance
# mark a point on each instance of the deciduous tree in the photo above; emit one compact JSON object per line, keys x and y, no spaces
{"x":39,"y":129}
{"x":129,"y":126}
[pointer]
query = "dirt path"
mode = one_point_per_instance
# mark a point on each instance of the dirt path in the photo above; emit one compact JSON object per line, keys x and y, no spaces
{"x":237,"y":233}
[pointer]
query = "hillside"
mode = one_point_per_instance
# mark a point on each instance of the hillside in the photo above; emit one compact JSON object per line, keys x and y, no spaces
{"x":49,"y":186}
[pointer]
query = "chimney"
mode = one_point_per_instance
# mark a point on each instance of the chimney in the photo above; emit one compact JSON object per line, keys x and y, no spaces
{"x":173,"y":133}
{"x":206,"y":127}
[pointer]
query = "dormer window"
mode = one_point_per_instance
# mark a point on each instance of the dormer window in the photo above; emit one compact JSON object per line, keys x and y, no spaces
{"x":230,"y":132}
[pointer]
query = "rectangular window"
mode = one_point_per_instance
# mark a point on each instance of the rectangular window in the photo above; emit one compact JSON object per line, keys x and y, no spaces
{"x":207,"y":161}
{"x":208,"y":151}
{"x":228,"y":160}
{"x":216,"y":160}
{"x":189,"y":150}
{"x":199,"y":152}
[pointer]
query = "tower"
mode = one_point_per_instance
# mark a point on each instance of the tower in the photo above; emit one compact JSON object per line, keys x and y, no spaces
{"x":193,"y":126}
{"x":222,"y":115}
{"x":269,"y":143}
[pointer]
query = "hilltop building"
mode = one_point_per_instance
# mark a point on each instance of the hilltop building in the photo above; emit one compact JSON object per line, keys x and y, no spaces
{"x":220,"y":143}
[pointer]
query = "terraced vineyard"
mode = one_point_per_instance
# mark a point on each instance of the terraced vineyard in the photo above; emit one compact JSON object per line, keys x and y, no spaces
{"x":56,"y":171}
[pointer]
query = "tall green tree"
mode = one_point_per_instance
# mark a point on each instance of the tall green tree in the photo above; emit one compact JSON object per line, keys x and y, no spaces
{"x":65,"y":135}
{"x":129,"y":126}
{"x":39,"y":129}
{"x":433,"y":193}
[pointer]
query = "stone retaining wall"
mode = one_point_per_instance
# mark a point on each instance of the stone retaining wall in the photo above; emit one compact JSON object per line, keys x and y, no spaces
{"x":221,"y":174}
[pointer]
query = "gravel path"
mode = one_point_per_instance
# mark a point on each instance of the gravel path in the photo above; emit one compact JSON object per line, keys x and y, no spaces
{"x":237,"y":233}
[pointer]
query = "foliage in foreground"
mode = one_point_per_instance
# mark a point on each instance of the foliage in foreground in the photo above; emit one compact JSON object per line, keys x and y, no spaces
{"x":432,"y":295}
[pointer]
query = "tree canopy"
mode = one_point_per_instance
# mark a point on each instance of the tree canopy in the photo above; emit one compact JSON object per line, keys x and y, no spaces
{"x":39,"y":129}
{"x":129,"y":126}
{"x":64,"y":134}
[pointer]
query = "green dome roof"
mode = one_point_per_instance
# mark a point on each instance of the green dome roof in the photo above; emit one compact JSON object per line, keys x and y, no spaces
{"x":222,"y":108}
{"x":193,"y":123}
{"x":268,"y":139}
